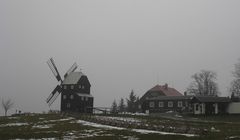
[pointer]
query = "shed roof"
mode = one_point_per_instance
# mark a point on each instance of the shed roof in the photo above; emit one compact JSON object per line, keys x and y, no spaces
{"x":72,"y":78}
{"x":211,"y":99}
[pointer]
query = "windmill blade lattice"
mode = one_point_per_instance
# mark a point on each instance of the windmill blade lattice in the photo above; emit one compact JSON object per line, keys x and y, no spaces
{"x":72,"y":69}
{"x":53,"y":96}
{"x":54,"y":70}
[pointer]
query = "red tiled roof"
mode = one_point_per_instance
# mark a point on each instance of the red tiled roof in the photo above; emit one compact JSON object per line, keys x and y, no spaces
{"x":168,"y":91}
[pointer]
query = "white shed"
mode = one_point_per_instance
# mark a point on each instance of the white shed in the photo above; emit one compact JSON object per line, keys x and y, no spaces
{"x":233,"y":108}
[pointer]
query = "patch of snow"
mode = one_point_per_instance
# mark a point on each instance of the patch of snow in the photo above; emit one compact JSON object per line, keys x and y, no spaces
{"x":47,"y":139}
{"x":213,"y":129}
{"x":168,"y":112}
{"x":134,"y":114}
{"x":98,"y":125}
{"x":89,"y":131}
{"x":126,"y":119}
{"x":14,"y":124}
{"x":39,"y":139}
{"x":70,"y":137}
{"x":66,"y":119}
{"x":13,"y":117}
{"x":42,"y":126}
{"x":234,"y":137}
{"x":178,"y":116}
{"x":130,"y":137}
{"x":143,"y":131}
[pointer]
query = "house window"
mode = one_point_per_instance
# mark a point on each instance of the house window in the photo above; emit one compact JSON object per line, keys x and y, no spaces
{"x":82,"y":87}
{"x":79,"y":86}
{"x":82,"y":98}
{"x":65,"y":87}
{"x":186,"y":104}
{"x":71,"y":97}
{"x":72,"y":86}
{"x":151,"y":104}
{"x":197,"y":107}
{"x":64,"y":97}
{"x":86,"y":98}
{"x":161,"y":104}
{"x":68,"y":105}
{"x":180,"y":104}
{"x":170,"y":104}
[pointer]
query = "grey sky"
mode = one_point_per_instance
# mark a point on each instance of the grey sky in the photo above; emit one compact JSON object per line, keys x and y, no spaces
{"x":120,"y":45}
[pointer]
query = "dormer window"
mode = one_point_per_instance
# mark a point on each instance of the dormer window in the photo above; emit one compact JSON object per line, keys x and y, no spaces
{"x":72,"y":86}
{"x":80,"y":86}
{"x":71,"y":97}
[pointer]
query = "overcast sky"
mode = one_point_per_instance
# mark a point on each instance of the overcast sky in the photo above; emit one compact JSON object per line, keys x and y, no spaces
{"x":120,"y":45}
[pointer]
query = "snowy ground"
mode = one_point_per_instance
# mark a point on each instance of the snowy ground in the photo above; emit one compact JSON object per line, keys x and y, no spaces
{"x":56,"y":126}
{"x":143,"y":131}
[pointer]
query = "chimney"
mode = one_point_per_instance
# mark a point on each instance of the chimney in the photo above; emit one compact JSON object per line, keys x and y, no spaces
{"x":185,"y":93}
{"x":166,"y":86}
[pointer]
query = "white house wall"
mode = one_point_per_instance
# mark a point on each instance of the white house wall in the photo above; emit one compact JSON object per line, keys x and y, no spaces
{"x":233,"y":108}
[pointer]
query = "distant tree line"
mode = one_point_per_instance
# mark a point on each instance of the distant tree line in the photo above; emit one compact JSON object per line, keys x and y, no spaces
{"x":130,"y":106}
{"x":235,"y":84}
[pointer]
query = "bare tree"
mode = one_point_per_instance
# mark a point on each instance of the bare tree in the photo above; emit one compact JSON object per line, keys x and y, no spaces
{"x":7,"y":105}
{"x":235,"y":84}
{"x":235,"y":87}
{"x":236,"y":72}
{"x":204,"y":84}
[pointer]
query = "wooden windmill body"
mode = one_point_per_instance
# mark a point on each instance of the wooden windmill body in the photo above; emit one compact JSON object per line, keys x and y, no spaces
{"x":74,"y":90}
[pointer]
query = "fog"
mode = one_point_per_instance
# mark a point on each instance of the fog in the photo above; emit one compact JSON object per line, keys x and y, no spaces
{"x":120,"y":45}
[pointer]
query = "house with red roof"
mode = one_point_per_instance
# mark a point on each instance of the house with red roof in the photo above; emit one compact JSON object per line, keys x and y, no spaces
{"x":162,"y":98}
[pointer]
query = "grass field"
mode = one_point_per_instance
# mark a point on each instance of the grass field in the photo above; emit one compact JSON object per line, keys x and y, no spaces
{"x":57,"y":126}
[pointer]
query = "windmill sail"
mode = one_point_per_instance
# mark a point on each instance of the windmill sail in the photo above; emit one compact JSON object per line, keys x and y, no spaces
{"x":53,"y":68}
{"x":72,"y":69}
{"x":53,"y":96}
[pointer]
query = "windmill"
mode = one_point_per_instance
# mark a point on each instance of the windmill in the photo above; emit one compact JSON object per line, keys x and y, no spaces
{"x":75,"y":90}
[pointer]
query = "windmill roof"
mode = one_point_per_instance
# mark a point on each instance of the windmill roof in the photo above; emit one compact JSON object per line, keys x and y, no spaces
{"x":72,"y":78}
{"x":167,"y":91}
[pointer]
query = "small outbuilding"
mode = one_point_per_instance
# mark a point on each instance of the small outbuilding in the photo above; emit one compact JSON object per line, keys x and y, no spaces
{"x":210,"y":105}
